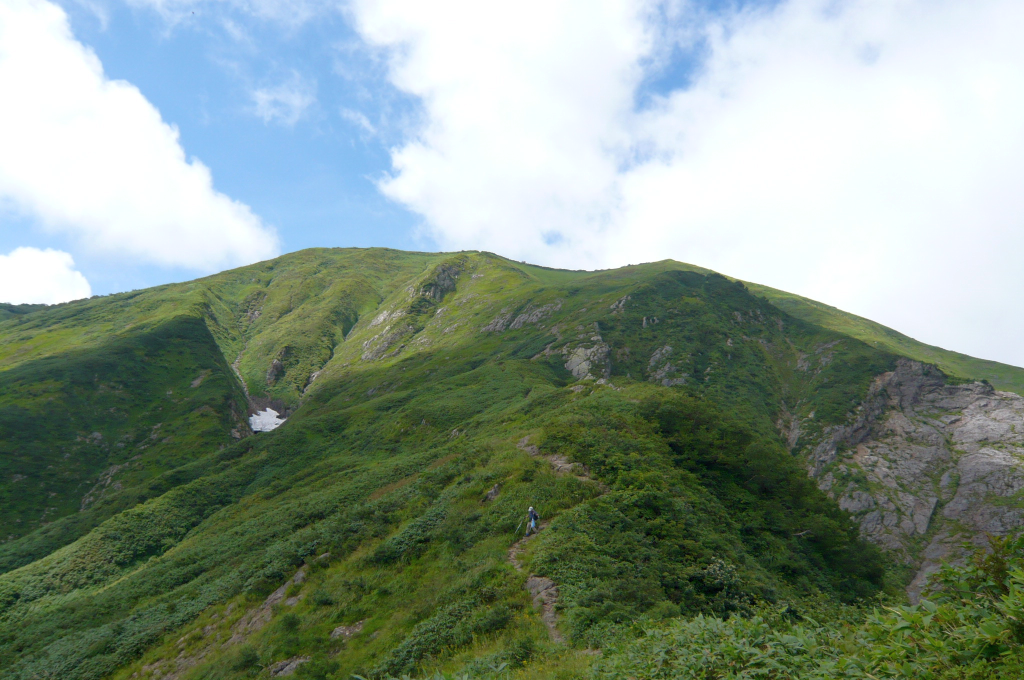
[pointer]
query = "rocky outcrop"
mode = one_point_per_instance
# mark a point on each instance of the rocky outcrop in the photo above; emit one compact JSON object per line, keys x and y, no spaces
{"x":580,"y":361}
{"x":532,"y":315}
{"x":287,"y":667}
{"x":345,"y":632}
{"x":925,"y":465}
{"x":590,"y":357}
{"x":255,"y":619}
{"x":276,"y":369}
{"x":380,"y":345}
{"x":660,"y":368}
{"x":442,"y":280}
{"x":508,"y":319}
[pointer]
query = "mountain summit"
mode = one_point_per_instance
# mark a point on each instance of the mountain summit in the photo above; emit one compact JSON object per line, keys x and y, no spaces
{"x":320,"y":465}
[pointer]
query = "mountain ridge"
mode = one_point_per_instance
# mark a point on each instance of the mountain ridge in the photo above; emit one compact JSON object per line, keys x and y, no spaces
{"x":663,"y":417}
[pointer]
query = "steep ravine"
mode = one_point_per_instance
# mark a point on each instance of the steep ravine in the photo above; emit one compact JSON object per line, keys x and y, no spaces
{"x":926,"y":466}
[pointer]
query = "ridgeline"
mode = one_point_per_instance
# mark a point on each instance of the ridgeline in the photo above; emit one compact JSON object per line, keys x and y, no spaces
{"x":663,"y":419}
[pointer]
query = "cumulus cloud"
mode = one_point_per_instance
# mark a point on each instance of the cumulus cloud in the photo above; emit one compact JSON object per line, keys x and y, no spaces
{"x":526,"y":116}
{"x":285,"y":103}
{"x":89,"y":156}
{"x":865,"y":153}
{"x":31,"y":275}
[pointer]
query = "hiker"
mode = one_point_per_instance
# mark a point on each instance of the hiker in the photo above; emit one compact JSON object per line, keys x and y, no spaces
{"x":531,"y":521}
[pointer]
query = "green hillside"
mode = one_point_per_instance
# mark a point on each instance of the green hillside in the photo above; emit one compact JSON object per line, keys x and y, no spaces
{"x":430,"y":399}
{"x":1002,"y":376}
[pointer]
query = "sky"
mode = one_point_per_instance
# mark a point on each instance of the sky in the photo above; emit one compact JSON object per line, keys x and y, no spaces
{"x":865,"y":153}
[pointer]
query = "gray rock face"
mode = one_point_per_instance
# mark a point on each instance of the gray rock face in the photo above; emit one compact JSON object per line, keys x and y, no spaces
{"x":378,"y":346}
{"x":584,"y":360}
{"x":347,"y":631}
{"x":925,"y":466}
{"x":287,"y":667}
{"x":532,"y":315}
{"x":661,"y":370}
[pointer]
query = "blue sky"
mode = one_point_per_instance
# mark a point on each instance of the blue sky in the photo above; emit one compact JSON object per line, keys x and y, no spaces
{"x":867,"y":154}
{"x":311,"y":179}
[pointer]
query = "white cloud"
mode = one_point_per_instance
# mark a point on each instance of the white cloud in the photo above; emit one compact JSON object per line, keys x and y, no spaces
{"x":358,"y":119}
{"x":526,"y":107}
{"x":865,"y":153}
{"x":91,"y":157}
{"x":30,"y":275}
{"x":285,"y":103}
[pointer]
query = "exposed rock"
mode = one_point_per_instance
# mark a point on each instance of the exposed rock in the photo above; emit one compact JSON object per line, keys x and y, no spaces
{"x":560,"y":464}
{"x":499,"y":323}
{"x":583,"y":360}
{"x":105,"y":482}
{"x":442,"y":280}
{"x":347,"y":631}
{"x":525,"y":445}
{"x":286,"y":667}
{"x":545,"y":597}
{"x":387,"y":316}
{"x":276,"y":369}
{"x":255,"y":619}
{"x":535,"y":314}
{"x":659,"y":354}
{"x":543,"y":590}
{"x":663,"y":373}
{"x":493,"y":493}
{"x":925,"y":466}
{"x":378,"y":346}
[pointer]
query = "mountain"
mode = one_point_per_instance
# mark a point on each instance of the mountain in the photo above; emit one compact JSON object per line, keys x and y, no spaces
{"x":695,"y":446}
{"x":952,"y":364}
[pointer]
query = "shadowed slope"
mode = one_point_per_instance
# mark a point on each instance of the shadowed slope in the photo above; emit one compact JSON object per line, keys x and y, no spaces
{"x":408,"y":379}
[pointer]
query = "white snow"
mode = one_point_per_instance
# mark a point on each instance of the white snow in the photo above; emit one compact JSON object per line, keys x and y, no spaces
{"x":265,"y":421}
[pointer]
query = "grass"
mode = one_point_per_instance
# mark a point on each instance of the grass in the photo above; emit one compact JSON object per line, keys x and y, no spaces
{"x":408,"y":379}
{"x":954,"y":364}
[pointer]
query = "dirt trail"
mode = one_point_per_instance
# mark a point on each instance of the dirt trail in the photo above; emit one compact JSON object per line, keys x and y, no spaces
{"x":543,"y":590}
{"x":519,"y":546}
{"x":560,"y":464}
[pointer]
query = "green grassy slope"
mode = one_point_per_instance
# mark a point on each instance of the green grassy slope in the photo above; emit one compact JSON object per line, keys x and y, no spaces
{"x":9,"y":310}
{"x":1002,"y":376}
{"x":415,"y":384}
{"x":79,"y":425}
{"x":97,"y":397}
{"x":411,"y":379}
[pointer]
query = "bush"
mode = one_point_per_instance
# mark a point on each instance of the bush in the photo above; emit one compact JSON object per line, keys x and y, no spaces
{"x":969,"y":628}
{"x":247,"y":658}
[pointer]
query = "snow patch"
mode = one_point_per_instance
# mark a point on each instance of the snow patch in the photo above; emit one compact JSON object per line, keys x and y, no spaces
{"x":265,"y":421}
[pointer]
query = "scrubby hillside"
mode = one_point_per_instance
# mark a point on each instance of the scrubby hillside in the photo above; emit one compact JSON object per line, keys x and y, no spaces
{"x":659,"y":417}
{"x":954,"y":364}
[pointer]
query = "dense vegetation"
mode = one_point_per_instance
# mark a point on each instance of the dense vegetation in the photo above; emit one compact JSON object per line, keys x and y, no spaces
{"x":954,"y":364}
{"x":139,"y":406}
{"x":968,"y":627}
{"x":432,"y":398}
